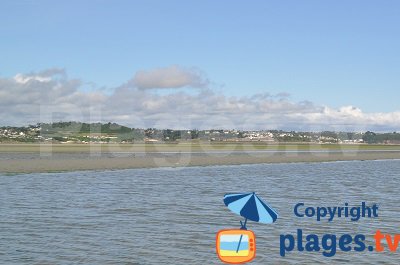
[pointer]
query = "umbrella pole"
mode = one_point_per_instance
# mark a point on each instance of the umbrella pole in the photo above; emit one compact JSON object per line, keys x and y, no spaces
{"x":241,"y":236}
{"x":243,"y":226}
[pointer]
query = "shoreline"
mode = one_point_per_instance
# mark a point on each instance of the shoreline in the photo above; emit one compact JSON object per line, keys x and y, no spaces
{"x":42,"y":164}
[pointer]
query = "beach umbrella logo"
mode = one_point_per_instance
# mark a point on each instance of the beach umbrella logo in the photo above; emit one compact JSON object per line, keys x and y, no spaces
{"x":237,"y":246}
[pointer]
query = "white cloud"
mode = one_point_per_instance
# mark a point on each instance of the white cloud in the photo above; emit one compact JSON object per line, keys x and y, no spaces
{"x":23,"y":79}
{"x":44,"y":76}
{"x":169,"y":77}
{"x":51,"y":96}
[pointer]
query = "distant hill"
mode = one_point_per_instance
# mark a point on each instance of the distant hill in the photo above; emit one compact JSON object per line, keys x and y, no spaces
{"x":373,"y":138}
{"x":81,"y":127}
{"x":89,"y":132}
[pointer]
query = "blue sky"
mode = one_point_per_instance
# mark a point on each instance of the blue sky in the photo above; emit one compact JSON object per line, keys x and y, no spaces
{"x":332,"y":53}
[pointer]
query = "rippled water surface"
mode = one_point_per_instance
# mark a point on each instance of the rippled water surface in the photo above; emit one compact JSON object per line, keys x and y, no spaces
{"x":171,"y":216}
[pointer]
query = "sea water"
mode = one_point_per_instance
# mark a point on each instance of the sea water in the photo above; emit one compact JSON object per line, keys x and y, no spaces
{"x":172,"y":215}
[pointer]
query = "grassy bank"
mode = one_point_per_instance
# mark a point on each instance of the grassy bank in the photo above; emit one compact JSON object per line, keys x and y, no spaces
{"x":188,"y":147}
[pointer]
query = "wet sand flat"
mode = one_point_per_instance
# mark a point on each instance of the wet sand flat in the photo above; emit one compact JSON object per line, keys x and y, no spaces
{"x":54,"y":158}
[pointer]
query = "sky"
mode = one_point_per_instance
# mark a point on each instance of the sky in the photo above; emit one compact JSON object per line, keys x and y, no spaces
{"x":300,"y":65}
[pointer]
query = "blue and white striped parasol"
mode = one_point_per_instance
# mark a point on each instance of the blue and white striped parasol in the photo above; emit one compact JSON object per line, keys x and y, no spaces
{"x":250,"y":207}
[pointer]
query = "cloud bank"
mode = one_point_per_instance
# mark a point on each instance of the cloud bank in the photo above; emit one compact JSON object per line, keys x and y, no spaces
{"x":51,"y":96}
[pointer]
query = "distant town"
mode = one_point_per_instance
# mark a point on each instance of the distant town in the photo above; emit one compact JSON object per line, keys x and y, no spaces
{"x":84,"y":133}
